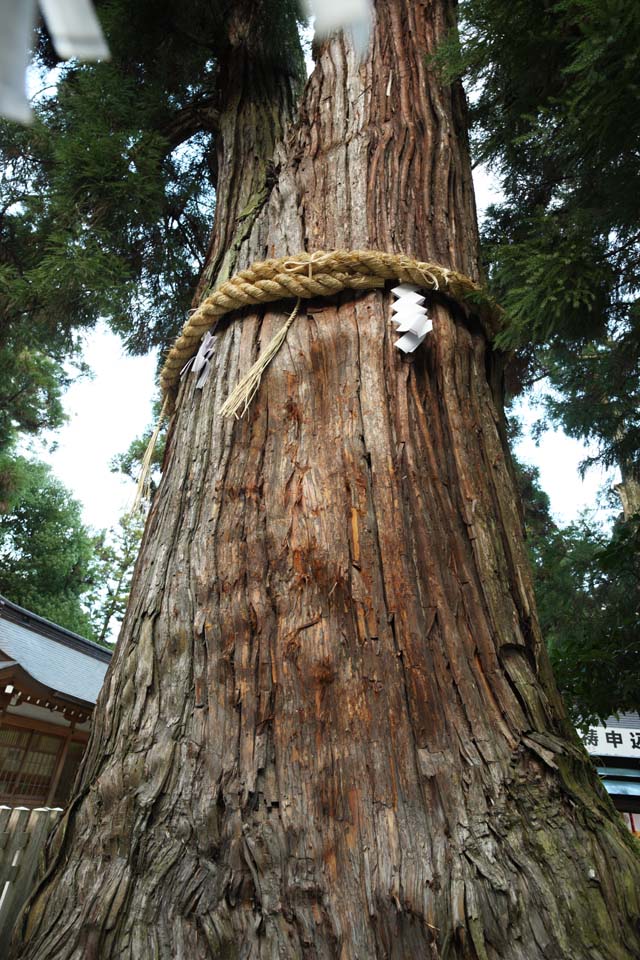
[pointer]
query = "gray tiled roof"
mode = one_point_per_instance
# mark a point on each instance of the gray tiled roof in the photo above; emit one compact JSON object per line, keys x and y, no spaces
{"x":57,"y":658}
{"x":624,"y":720}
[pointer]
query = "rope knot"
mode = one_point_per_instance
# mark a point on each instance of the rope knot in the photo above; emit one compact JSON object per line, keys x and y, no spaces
{"x":303,"y":261}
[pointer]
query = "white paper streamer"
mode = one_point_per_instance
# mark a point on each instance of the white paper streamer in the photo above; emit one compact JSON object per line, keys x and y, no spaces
{"x":17,"y":19}
{"x":75,"y":32}
{"x":410,"y":316}
{"x":352,"y":15}
{"x":201,"y":362}
{"x":75,"y":29}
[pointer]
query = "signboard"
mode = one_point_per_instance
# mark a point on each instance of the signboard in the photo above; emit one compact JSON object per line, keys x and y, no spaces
{"x":612,"y":741}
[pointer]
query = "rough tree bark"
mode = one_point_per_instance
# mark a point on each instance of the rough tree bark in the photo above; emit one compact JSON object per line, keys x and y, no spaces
{"x":329,"y":729}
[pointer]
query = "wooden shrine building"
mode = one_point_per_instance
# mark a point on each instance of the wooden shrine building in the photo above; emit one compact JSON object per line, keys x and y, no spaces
{"x":49,"y":682}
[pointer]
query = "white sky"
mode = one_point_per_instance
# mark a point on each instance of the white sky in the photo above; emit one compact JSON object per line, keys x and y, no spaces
{"x":558,"y":458}
{"x":110,"y":410}
{"x":105,"y":413}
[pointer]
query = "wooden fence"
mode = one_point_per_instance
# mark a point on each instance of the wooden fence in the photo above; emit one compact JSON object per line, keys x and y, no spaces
{"x":23,"y":833}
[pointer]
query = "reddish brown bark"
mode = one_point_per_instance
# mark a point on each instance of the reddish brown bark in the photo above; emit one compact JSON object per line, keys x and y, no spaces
{"x":329,"y":730}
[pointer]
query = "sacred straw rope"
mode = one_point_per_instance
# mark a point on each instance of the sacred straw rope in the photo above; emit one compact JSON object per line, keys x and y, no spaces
{"x":305,"y":276}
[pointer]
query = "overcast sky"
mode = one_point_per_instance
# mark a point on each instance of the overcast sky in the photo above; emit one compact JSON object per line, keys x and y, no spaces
{"x":105,"y":414}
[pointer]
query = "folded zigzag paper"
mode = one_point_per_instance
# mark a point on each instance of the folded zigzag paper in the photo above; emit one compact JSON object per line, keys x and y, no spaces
{"x":410,"y":316}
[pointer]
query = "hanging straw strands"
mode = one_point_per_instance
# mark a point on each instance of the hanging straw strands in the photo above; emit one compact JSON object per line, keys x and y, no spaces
{"x":143,"y":487}
{"x":243,"y":394}
{"x":305,"y":276}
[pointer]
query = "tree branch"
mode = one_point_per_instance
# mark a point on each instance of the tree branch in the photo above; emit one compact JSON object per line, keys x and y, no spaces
{"x":199,"y":116}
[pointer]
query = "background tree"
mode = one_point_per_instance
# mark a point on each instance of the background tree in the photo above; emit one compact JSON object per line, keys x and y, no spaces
{"x":53,"y":565}
{"x":562,"y":246}
{"x":46,"y":553}
{"x":329,"y":728}
{"x":115,"y":555}
{"x":594,"y":647}
{"x":552,"y":81}
{"x":586,"y":585}
{"x":31,"y":385}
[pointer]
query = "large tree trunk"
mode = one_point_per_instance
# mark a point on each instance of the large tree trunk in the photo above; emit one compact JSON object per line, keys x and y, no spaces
{"x":329,"y":730}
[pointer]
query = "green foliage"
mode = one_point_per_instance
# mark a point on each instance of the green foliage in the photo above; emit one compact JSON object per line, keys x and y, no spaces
{"x":46,"y":554}
{"x":129,"y":463}
{"x":588,"y":603}
{"x":594,"y":643}
{"x":556,"y":115}
{"x":106,"y":213}
{"x":107,"y":199}
{"x":52,"y":564}
{"x":32,"y":380}
{"x":597,"y":396}
{"x":553,"y":278}
{"x":31,"y":386}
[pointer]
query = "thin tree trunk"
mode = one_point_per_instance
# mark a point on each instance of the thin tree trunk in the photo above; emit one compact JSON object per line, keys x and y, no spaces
{"x":329,"y":730}
{"x":628,"y":491}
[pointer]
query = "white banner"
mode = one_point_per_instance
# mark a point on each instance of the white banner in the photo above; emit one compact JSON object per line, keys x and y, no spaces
{"x":615,"y":741}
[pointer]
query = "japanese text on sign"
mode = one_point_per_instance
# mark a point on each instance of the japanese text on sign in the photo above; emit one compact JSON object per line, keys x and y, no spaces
{"x":612,"y":742}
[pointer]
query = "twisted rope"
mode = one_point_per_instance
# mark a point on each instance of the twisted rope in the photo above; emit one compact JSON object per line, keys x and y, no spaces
{"x":320,"y":274}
